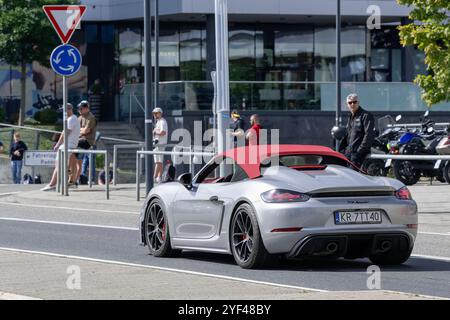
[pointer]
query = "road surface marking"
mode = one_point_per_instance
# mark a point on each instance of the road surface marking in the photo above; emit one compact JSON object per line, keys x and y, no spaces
{"x":436,"y":233}
{"x":211,"y":275}
{"x":67,"y":208}
{"x":69,"y":224}
{"x":12,"y":296}
{"x":8,"y":193}
{"x":164,"y":269}
{"x":446,"y":259}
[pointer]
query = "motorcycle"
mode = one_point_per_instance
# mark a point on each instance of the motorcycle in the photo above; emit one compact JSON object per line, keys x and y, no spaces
{"x":443,"y":148}
{"x":423,"y":142}
{"x":377,"y":167}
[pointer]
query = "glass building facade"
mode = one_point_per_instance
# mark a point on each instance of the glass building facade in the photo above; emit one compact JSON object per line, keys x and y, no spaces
{"x":273,"y":66}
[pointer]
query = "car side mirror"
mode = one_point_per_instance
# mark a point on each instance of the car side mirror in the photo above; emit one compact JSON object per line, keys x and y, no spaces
{"x":186,"y":180}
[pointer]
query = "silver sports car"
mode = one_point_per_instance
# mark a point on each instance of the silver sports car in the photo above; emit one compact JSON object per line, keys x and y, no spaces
{"x":296,"y":201}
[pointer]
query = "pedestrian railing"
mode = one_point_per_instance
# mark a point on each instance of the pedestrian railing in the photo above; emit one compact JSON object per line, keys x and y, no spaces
{"x":116,"y":149}
{"x":390,"y":157}
{"x":139,"y":154}
{"x":416,"y":125}
{"x":62,"y":179}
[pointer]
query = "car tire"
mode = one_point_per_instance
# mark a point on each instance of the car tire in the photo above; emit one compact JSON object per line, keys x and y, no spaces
{"x":157,"y":234}
{"x":246,"y":242}
{"x":375,"y":168}
{"x":405,"y":172}
{"x":392,"y":257}
{"x":446,"y":172}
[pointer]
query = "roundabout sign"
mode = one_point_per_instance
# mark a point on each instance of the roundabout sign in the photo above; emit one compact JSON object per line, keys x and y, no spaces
{"x":65,"y":60}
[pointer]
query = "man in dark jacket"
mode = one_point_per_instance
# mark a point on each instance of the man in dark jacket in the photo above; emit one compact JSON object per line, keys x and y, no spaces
{"x":18,"y":147}
{"x":360,"y":132}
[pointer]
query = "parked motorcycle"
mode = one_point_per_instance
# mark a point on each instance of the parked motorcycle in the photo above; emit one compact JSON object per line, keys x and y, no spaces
{"x":422,"y":142}
{"x":377,"y":167}
{"x":443,"y":148}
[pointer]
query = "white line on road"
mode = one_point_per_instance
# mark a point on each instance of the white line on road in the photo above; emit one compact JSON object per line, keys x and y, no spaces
{"x":12,"y":296}
{"x":163,"y":269}
{"x":65,"y":208}
{"x":69,"y":224}
{"x":436,"y":233}
{"x":8,"y":193}
{"x":211,"y":275}
{"x":422,"y":256}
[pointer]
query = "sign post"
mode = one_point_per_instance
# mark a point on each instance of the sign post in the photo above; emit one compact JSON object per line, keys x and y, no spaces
{"x":65,"y":61}
{"x":222,"y":75}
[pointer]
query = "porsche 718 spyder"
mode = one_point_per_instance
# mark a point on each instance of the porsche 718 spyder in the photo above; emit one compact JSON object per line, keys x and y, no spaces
{"x":296,"y":201}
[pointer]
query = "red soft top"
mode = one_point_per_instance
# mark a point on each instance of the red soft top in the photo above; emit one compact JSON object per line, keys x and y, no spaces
{"x":249,"y":157}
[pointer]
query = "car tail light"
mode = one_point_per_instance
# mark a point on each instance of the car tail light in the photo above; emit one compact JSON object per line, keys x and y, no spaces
{"x":403,"y":194}
{"x":280,"y":196}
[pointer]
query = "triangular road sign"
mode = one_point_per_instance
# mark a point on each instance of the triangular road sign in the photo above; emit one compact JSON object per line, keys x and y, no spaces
{"x":64,"y":19}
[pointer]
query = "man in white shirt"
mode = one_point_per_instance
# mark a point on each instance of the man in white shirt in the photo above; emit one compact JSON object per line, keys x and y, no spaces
{"x":160,"y":133}
{"x":73,"y":132}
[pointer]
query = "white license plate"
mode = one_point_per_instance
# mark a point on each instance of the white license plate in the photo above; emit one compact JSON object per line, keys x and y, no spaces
{"x":358,"y":217}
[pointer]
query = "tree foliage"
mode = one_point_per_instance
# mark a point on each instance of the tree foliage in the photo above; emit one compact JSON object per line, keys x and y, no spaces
{"x":26,"y":35}
{"x":431,"y":34}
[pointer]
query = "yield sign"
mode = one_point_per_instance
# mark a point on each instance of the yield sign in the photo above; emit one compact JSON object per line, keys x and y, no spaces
{"x":64,"y":19}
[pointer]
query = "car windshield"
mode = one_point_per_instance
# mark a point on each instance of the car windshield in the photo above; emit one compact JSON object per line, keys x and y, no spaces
{"x":302,"y":161}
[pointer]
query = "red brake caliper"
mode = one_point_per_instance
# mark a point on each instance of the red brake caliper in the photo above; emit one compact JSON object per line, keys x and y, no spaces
{"x":164,"y":231}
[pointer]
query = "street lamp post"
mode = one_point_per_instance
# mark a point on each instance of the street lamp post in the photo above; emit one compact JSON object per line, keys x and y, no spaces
{"x":148,"y":94}
{"x":338,"y":66}
{"x":222,"y":74}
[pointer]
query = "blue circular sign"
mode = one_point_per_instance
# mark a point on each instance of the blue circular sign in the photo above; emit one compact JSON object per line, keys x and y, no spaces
{"x":65,"y":60}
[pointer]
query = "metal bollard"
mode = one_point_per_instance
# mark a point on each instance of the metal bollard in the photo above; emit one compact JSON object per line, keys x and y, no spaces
{"x":106,"y":176}
{"x":138,"y":170}
{"x":58,"y":176}
{"x":115,"y":165}
{"x":91,"y":167}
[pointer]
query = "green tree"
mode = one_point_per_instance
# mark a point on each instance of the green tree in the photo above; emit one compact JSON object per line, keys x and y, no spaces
{"x":431,"y":34}
{"x":26,"y":35}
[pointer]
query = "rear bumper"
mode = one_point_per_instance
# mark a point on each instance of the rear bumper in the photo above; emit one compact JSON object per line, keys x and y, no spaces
{"x":354,"y":245}
{"x":316,"y":218}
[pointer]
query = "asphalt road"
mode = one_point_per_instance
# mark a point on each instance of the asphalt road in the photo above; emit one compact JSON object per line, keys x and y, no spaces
{"x":114,"y":236}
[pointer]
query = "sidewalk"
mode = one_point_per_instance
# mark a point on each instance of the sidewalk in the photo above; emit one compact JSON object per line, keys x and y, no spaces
{"x":431,"y":199}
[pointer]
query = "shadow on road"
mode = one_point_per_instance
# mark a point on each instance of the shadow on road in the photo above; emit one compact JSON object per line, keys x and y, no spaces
{"x":340,"y":265}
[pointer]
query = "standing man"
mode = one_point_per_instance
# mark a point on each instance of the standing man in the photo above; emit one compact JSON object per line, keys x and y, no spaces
{"x":360,"y":132}
{"x":73,"y":132}
{"x":253,"y":134}
{"x":159,"y":138}
{"x":88,"y":130}
{"x":237,"y":127}
{"x":16,"y":152}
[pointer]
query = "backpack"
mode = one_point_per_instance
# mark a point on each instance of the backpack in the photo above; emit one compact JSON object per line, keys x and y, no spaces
{"x":37,"y":179}
{"x":27,"y":179}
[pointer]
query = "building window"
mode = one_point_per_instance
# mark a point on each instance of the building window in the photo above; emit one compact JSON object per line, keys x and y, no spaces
{"x":191,"y":56}
{"x":294,"y":53}
{"x":353,"y":53}
{"x":242,"y":54}
{"x":325,"y":54}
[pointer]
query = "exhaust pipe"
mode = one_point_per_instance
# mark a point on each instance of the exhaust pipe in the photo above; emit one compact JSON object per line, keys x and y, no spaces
{"x":385,"y":246}
{"x":332,"y":247}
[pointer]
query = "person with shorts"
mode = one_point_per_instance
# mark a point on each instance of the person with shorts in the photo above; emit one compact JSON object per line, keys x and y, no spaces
{"x":160,"y":133}
{"x":73,"y":132}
